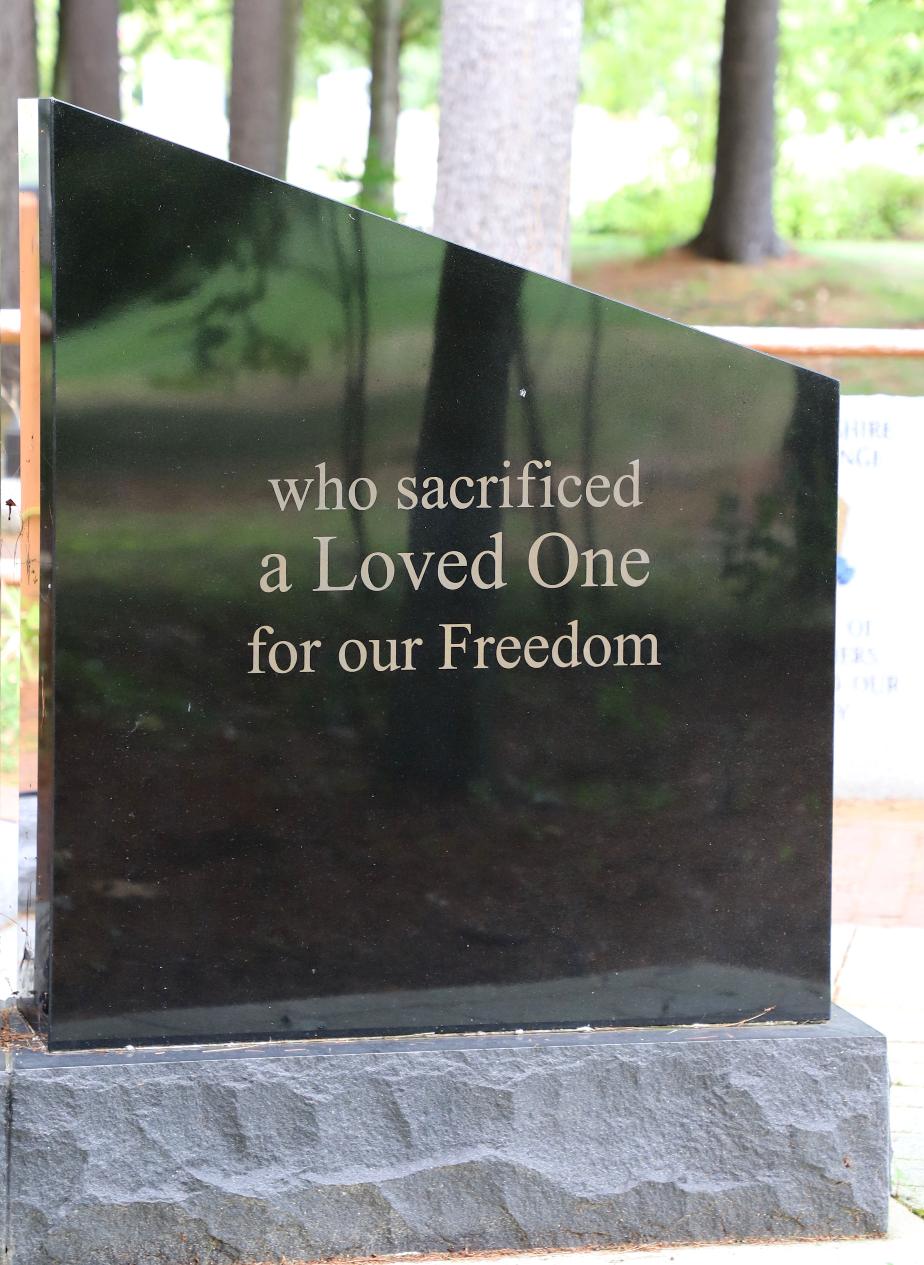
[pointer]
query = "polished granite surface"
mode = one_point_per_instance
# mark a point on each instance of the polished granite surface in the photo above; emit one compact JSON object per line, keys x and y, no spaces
{"x":522,"y":720}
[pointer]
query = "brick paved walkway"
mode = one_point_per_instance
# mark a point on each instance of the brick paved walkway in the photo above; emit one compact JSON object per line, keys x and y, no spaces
{"x":878,"y":957}
{"x":879,"y":864}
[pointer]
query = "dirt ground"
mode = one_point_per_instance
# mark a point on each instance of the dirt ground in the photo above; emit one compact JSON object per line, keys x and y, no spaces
{"x":877,"y":284}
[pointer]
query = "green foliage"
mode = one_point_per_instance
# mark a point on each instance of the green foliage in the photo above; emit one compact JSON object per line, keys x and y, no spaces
{"x":420,"y":22}
{"x":855,"y":63}
{"x":375,"y":185}
{"x":755,"y":559}
{"x":46,"y":40}
{"x":339,"y":32}
{"x":348,"y":23}
{"x":845,"y":65}
{"x":201,"y":30}
{"x":650,"y":56}
{"x":332,"y":33}
{"x":19,"y":648}
{"x":869,"y":204}
{"x":9,"y":679}
{"x":851,"y":65}
{"x":420,"y":75}
{"x":657,"y":214}
{"x":336,"y":22}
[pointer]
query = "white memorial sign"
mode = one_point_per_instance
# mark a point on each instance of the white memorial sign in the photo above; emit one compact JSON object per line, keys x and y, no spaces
{"x":879,"y":673}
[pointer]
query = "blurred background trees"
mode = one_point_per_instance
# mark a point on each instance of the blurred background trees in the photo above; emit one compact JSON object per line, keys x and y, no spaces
{"x":353,"y":86}
{"x":800,"y":131}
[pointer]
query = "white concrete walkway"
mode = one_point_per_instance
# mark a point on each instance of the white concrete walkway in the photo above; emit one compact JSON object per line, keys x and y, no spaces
{"x":879,"y":977}
{"x":903,"y":1246}
{"x":877,"y":958}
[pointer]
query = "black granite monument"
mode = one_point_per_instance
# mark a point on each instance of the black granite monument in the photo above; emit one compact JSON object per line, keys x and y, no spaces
{"x":429,"y":645}
{"x":436,"y":662}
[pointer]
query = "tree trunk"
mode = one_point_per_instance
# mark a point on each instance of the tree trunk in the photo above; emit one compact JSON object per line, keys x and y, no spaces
{"x":20,"y":79}
{"x":739,"y":226}
{"x":507,"y":99}
{"x":385,"y":103}
{"x":87,"y":62}
{"x":263,"y":53}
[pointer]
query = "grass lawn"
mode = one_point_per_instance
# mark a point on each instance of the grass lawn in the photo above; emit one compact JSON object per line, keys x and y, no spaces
{"x":818,"y":283}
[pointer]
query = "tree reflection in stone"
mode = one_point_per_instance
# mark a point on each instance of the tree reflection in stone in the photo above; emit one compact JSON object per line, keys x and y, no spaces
{"x":353,"y":291}
{"x":439,"y":725}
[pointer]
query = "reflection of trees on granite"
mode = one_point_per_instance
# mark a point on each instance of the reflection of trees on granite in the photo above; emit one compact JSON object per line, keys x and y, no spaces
{"x":229,"y":332}
{"x":353,"y":291}
{"x":810,"y":449}
{"x":250,"y":853}
{"x":547,"y":519}
{"x":156,"y":223}
{"x":782,"y":548}
{"x":590,"y":416}
{"x":756,"y":554}
{"x":438,"y":730}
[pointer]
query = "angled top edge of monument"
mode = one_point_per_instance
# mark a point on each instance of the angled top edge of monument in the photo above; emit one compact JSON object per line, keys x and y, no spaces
{"x":54,"y":103}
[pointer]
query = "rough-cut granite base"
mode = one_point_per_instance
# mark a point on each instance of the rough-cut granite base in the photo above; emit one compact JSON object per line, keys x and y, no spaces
{"x":441,"y":1144}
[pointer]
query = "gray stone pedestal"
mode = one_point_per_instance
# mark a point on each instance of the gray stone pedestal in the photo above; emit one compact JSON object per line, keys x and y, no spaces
{"x":438,"y":1144}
